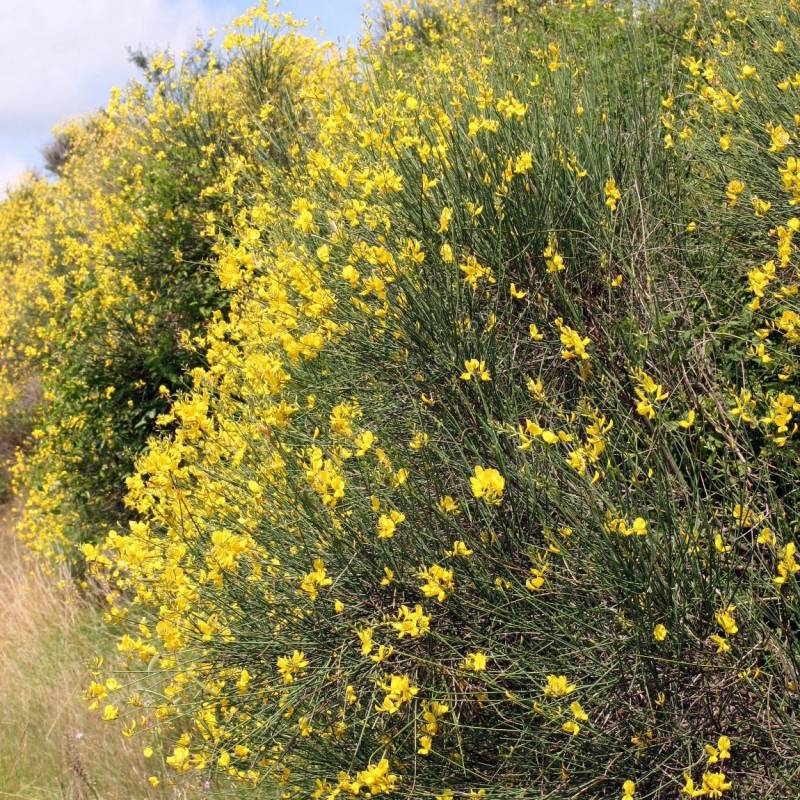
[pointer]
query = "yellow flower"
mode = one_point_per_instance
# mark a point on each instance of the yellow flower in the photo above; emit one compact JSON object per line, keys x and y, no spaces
{"x":536,"y":387}
{"x":747,"y":72}
{"x":419,"y":440}
{"x":413,"y":623}
{"x":399,"y":691}
{"x":766,"y":536}
{"x":387,"y":524}
{"x":510,"y":107}
{"x":722,"y":644}
{"x":760,"y":207}
{"x":459,"y":548}
{"x":732,"y":192}
{"x":351,"y":275}
{"x":574,"y":345}
{"x":659,"y":632}
{"x":536,"y":580}
{"x":365,"y":637}
{"x":475,"y":272}
{"x":688,"y":787}
{"x":324,"y":253}
{"x":292,"y":666}
{"x":475,"y":662}
{"x":558,"y":686}
{"x":305,"y":726}
{"x":382,"y":653}
{"x":487,"y":485}
{"x":578,"y":712}
{"x":719,"y":753}
{"x":388,"y":576}
{"x":243,"y":682}
{"x":612,"y":194}
{"x":315,"y":580}
{"x":553,"y":260}
{"x":377,"y":779}
{"x":688,"y":420}
{"x":788,"y":564}
{"x":571,"y":727}
{"x":628,"y":790}
{"x":780,"y":138}
{"x":444,"y":219}
{"x":726,"y":621}
{"x":438,"y":582}
{"x":447,"y":505}
{"x":720,"y":546}
{"x":714,"y":784}
{"x":474,"y":368}
{"x":110,"y":713}
{"x":179,"y":760}
{"x":523,"y":163}
{"x":364,"y":442}
{"x":648,"y":393}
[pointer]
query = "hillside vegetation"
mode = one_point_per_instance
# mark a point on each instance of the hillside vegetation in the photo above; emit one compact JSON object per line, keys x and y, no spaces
{"x":52,"y":747}
{"x":425,"y":414}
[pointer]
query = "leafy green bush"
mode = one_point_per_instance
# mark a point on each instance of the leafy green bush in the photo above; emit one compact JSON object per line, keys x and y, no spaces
{"x":464,"y":504}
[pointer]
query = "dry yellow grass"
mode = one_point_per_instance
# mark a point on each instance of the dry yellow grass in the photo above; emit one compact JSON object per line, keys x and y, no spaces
{"x":51,"y":746}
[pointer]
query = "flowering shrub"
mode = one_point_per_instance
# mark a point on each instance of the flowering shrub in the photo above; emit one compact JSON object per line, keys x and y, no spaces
{"x":108,"y":278}
{"x":484,"y":482}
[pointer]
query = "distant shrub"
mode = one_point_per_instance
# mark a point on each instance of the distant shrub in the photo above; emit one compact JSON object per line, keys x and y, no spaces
{"x":117,"y":285}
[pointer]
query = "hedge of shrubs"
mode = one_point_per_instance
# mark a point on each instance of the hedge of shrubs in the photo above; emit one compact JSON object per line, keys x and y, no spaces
{"x":466,"y":363}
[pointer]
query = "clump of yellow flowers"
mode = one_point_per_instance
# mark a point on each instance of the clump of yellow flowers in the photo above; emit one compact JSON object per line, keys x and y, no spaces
{"x":465,"y":462}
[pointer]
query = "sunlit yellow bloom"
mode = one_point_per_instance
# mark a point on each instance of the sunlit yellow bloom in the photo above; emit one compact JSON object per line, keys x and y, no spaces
{"x":473,"y":368}
{"x":290,"y":667}
{"x":438,"y":582}
{"x":487,"y":484}
{"x":719,"y":753}
{"x":726,"y":621}
{"x":612,"y":193}
{"x":628,"y":790}
{"x":558,"y":686}
{"x":475,"y":662}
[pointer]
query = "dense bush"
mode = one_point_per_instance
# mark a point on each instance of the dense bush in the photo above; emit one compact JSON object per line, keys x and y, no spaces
{"x":484,"y":485}
{"x":108,"y":281}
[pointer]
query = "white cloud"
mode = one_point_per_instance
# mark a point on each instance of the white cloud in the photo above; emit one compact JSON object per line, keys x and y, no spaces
{"x":60,"y":57}
{"x":11,"y":170}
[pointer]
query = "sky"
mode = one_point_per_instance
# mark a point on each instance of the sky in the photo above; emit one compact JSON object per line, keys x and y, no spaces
{"x":60,"y":58}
